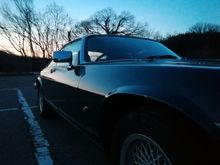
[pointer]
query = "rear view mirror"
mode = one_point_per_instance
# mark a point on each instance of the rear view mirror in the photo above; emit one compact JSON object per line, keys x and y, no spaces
{"x":62,"y":56}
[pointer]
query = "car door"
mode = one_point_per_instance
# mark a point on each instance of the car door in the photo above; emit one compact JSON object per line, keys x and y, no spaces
{"x":61,"y":83}
{"x":94,"y":85}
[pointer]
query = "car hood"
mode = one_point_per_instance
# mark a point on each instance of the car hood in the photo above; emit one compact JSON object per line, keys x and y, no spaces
{"x":168,"y":62}
{"x":197,"y":62}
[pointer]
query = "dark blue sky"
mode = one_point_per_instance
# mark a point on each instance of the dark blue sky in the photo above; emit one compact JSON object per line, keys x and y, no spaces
{"x":165,"y":16}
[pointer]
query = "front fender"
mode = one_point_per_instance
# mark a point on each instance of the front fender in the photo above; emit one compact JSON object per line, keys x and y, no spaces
{"x":173,"y":99}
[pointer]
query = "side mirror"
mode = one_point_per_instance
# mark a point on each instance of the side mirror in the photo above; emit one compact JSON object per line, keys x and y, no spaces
{"x":62,"y":56}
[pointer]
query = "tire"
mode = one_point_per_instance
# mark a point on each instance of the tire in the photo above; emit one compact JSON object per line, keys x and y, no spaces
{"x":43,"y":106}
{"x":139,"y":138}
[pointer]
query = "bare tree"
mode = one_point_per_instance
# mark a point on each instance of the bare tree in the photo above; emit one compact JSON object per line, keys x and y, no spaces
{"x":58,"y":22}
{"x":15,"y":35}
{"x":33,"y":33}
{"x":204,"y":28}
{"x":106,"y":21}
{"x":36,"y":32}
{"x":17,"y":25}
{"x":51,"y":29}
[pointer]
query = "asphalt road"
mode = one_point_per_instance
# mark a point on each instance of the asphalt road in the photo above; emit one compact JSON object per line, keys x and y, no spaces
{"x":26,"y":138}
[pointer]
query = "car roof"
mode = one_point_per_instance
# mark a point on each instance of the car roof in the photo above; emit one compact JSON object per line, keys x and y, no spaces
{"x":111,"y":35}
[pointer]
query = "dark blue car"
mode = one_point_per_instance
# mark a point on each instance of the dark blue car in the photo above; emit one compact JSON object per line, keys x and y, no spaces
{"x":139,"y":100}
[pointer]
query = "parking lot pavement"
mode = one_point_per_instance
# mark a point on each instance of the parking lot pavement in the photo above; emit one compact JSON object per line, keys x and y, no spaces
{"x":26,"y":138}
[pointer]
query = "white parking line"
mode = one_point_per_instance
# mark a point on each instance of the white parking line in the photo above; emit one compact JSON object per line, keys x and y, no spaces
{"x":32,"y":107}
{"x":42,"y":153}
{"x":9,"y":109}
{"x":8,"y":89}
{"x":15,"y":109}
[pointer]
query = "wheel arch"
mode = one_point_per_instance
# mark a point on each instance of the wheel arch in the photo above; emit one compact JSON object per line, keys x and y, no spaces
{"x":118,"y":104}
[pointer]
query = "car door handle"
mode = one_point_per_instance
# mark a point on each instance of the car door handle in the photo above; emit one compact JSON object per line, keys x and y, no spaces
{"x":52,"y":70}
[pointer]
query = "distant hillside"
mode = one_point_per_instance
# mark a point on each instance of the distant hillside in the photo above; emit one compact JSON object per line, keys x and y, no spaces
{"x":194,"y":45}
{"x":13,"y":63}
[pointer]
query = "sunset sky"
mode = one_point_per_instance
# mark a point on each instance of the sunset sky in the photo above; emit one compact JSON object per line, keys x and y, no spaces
{"x":165,"y":16}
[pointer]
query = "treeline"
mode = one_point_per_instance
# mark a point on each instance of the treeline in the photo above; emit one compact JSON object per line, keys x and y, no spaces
{"x":195,"y":45}
{"x":11,"y":63}
{"x":190,"y":45}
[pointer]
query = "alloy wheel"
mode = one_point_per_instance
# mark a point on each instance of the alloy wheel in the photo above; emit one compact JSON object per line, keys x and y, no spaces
{"x":139,"y":149}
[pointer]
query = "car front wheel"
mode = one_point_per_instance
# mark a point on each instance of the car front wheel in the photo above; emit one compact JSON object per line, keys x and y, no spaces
{"x":149,"y":139}
{"x":140,"y":149}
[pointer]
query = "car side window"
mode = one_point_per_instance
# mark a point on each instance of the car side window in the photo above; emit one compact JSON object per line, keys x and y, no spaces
{"x":74,"y":47}
{"x":102,"y":48}
{"x":110,"y":48}
{"x":97,"y":51}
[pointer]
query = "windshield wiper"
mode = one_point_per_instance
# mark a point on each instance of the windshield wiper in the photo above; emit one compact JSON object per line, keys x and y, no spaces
{"x":161,"y":57}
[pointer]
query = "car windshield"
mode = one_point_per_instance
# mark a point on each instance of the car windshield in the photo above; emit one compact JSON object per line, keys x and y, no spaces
{"x":119,"y":48}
